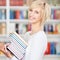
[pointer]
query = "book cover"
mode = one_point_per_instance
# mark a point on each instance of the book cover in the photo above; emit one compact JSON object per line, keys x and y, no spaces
{"x":52,"y":48}
{"x":58,"y":48}
{"x":57,"y":14}
{"x":2,"y":2}
{"x":48,"y":49}
{"x":17,"y":14}
{"x":58,"y":28}
{"x":16,"y":2}
{"x":18,"y":45}
{"x":21,"y":14}
{"x":52,"y":13}
{"x":12,"y":14}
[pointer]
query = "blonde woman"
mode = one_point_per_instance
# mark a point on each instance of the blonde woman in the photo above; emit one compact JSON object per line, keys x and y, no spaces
{"x":38,"y":13}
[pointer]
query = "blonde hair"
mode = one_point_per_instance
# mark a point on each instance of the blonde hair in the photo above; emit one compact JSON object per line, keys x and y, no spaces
{"x":46,"y":8}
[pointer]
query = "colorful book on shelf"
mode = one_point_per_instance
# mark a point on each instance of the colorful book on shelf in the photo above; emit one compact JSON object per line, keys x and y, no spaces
{"x":2,"y":14}
{"x":52,"y":48}
{"x":17,"y":14}
{"x":48,"y":49}
{"x":16,"y":2}
{"x":57,"y":14}
{"x":58,"y":48}
{"x":2,"y":2}
{"x":18,"y":45}
{"x":52,"y":13}
{"x":12,"y":14}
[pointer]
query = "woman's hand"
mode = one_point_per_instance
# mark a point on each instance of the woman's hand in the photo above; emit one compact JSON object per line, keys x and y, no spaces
{"x":4,"y":50}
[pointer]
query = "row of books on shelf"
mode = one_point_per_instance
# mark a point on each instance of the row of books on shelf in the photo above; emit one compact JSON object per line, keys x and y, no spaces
{"x":14,"y":14}
{"x":52,"y":28}
{"x":18,"y":14}
{"x":55,"y":13}
{"x":23,"y":28}
{"x":14,"y":2}
{"x":23,"y":14}
{"x":48,"y":28}
{"x":53,"y":48}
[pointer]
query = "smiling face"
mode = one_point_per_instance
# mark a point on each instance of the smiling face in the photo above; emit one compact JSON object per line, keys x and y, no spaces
{"x":34,"y":15}
{"x":39,"y":12}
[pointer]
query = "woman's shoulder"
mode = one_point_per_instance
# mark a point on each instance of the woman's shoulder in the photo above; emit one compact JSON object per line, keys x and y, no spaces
{"x":27,"y":33}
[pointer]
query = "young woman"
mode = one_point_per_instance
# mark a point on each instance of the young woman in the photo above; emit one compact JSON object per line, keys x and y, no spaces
{"x":38,"y":13}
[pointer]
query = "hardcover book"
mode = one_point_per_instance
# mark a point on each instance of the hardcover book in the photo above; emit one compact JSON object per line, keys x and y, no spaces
{"x":18,"y":45}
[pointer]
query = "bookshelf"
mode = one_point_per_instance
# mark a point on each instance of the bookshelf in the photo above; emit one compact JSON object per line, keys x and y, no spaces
{"x":11,"y":25}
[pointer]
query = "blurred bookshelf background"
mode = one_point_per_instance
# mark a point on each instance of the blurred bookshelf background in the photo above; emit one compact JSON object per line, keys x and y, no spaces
{"x":14,"y":17}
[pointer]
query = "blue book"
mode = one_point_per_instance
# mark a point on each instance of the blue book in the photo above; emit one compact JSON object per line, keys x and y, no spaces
{"x":21,"y":14}
{"x":52,"y":48}
{"x":12,"y":14}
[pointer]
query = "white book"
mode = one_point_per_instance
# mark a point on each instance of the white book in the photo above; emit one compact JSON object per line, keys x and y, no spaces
{"x":18,"y":45}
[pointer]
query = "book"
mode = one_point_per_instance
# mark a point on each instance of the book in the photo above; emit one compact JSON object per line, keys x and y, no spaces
{"x":2,"y":2}
{"x":48,"y":49}
{"x":16,"y":2}
{"x":12,"y":14}
{"x":57,"y":14}
{"x":2,"y":28}
{"x":2,"y":14}
{"x":58,"y":48}
{"x":17,"y":14}
{"x":17,"y":46}
{"x":52,"y":48}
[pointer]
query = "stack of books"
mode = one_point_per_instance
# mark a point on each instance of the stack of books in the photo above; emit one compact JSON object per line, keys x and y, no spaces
{"x":17,"y":46}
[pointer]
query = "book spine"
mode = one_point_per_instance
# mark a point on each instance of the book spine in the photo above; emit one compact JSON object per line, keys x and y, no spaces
{"x":48,"y":49}
{"x":17,"y":14}
{"x":16,"y":2}
{"x":2,"y":2}
{"x":12,"y":13}
{"x":53,"y":48}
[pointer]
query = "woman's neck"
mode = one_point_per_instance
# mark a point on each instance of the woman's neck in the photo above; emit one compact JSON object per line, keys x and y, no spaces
{"x":35,"y":28}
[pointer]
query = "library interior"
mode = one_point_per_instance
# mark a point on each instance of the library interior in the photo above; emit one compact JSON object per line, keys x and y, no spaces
{"x":14,"y":18}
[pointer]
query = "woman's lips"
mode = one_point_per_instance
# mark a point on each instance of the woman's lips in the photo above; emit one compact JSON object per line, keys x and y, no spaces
{"x":31,"y":18}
